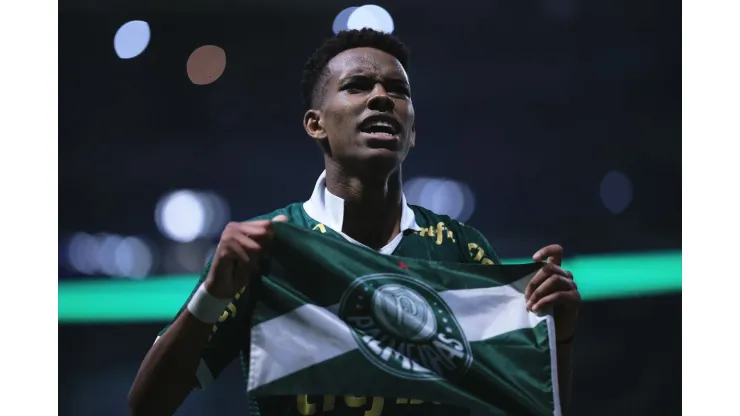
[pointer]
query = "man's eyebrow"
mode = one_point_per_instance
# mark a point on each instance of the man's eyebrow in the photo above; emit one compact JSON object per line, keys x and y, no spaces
{"x":355,"y":77}
{"x":395,"y":80}
{"x":398,"y":81}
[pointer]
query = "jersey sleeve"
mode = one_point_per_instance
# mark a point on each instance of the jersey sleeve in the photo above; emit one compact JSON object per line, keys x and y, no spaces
{"x":228,"y":336}
{"x":478,"y":248}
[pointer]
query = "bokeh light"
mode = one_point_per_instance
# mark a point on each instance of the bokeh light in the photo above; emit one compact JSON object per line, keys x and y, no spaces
{"x":206,"y":64}
{"x":110,"y":254}
{"x":133,"y":258}
{"x":131,"y":39}
{"x":181,"y":216}
{"x":616,"y":191}
{"x":340,"y":21}
{"x":185,"y":215}
{"x":441,"y":195}
{"x":369,"y":16}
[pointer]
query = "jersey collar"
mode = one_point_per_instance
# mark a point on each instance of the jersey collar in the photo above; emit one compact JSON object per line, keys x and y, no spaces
{"x":328,"y":208}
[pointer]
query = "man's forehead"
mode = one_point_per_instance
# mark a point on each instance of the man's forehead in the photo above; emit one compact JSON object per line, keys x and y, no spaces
{"x":366,"y":61}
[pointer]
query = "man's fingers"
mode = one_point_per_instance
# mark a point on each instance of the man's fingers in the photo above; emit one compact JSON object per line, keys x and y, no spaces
{"x":263,"y":229}
{"x":539,"y":277}
{"x":558,"y":298}
{"x":555,"y":283}
{"x":232,"y":249}
{"x":254,"y":227}
{"x":542,"y":275}
{"x":247,"y":243}
{"x":244,"y":239}
{"x":552,"y":253}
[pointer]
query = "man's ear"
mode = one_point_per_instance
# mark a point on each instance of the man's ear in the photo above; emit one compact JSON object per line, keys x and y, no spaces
{"x":314,"y":124}
{"x":413,"y":135}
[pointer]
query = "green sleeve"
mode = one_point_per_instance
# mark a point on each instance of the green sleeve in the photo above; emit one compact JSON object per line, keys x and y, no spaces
{"x":229,"y":335}
{"x":479,"y":250}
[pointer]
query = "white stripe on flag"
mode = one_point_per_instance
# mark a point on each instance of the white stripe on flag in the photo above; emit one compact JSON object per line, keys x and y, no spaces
{"x":486,"y":313}
{"x":284,"y":345}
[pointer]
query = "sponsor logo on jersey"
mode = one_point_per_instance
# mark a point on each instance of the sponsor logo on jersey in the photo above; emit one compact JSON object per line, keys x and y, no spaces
{"x":405,"y":328}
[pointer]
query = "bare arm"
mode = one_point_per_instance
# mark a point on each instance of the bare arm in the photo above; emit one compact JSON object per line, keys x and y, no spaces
{"x":167,"y":373}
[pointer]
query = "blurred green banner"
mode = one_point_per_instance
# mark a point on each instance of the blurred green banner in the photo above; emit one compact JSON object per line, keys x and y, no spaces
{"x":158,"y":298}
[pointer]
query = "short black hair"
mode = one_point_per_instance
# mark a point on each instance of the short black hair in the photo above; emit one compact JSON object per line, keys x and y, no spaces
{"x":315,"y":73}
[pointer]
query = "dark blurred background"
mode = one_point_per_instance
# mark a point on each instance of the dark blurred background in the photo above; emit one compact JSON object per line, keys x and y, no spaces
{"x":538,"y":122}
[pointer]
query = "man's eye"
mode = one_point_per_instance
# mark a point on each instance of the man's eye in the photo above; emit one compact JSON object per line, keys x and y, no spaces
{"x":355,"y":87}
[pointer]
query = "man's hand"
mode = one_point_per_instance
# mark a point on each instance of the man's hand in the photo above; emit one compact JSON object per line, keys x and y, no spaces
{"x":554,"y":286}
{"x":238,"y":254}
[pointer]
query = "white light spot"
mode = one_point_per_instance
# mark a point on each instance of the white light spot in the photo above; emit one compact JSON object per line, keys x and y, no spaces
{"x":616,"y":192}
{"x":181,"y":216}
{"x":371,"y":16}
{"x":131,"y":39}
{"x":448,"y":198}
{"x":340,"y":22}
{"x":106,"y":253}
{"x":82,"y":251}
{"x":442,"y":196}
{"x":133,"y":258}
{"x":217,"y":213}
{"x":110,"y":254}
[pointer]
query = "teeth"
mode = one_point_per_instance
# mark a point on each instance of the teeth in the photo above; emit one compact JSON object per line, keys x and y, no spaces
{"x":382,"y":124}
{"x":391,"y":130}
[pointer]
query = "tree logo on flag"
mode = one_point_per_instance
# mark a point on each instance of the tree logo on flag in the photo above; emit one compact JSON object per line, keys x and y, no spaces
{"x":404,"y":327}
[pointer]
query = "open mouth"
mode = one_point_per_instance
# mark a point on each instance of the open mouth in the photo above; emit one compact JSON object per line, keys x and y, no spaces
{"x":381,"y":127}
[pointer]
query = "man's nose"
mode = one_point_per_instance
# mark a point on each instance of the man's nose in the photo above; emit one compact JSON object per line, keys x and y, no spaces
{"x":380,"y":100}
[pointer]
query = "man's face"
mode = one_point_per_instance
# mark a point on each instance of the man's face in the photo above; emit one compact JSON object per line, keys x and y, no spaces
{"x":366,"y":116}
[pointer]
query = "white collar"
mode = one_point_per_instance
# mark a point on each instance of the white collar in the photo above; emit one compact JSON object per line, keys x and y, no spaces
{"x":328,"y":209}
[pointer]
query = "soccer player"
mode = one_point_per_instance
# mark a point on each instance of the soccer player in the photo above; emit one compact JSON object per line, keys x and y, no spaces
{"x":360,"y":113}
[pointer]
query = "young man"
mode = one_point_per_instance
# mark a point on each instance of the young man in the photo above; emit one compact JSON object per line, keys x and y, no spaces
{"x":360,"y":113}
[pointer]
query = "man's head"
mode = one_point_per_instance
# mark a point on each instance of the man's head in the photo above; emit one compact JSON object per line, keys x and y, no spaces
{"x":358,"y":101}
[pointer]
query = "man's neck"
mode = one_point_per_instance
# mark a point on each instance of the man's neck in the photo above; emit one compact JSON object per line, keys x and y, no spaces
{"x":372,"y":206}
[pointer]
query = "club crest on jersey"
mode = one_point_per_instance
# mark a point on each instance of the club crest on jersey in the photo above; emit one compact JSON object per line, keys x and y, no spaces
{"x":404,"y":327}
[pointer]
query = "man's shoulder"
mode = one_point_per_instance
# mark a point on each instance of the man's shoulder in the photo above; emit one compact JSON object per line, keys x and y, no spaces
{"x":469,"y":239}
{"x":426,"y":218}
{"x":295,"y":213}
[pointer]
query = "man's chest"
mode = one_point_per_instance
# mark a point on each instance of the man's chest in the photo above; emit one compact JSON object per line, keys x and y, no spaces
{"x":434,"y":243}
{"x":430,"y":244}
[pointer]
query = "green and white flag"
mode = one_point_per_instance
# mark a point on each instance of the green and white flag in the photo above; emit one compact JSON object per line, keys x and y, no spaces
{"x":336,"y":318}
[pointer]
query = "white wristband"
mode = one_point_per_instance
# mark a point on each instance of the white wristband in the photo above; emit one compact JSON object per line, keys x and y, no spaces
{"x":205,"y":306}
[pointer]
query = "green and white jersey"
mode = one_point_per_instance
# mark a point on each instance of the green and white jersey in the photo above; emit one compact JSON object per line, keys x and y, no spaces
{"x":425,"y":236}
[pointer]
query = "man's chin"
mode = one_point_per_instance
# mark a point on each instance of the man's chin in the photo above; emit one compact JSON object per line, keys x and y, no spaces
{"x":380,"y":159}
